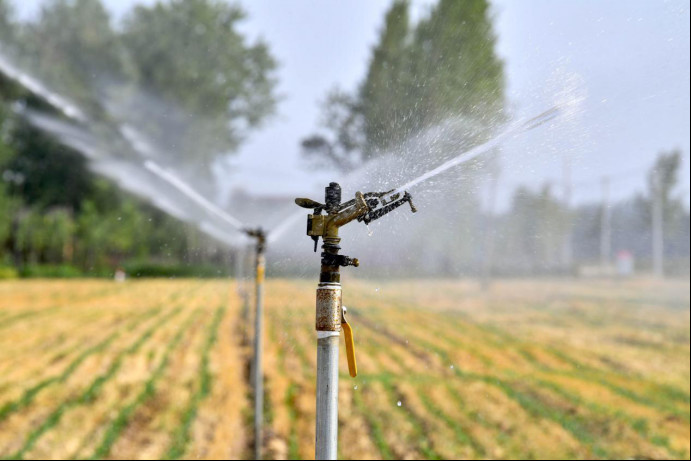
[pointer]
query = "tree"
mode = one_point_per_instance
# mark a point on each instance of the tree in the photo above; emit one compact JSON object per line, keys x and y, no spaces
{"x":535,"y":227}
{"x":73,"y":48}
{"x":660,"y":205}
{"x":8,"y":208}
{"x":443,"y":69}
{"x":6,"y":23}
{"x":384,"y":95}
{"x":60,"y":227}
{"x":207,"y":87}
{"x":53,"y":175}
{"x":344,"y":123}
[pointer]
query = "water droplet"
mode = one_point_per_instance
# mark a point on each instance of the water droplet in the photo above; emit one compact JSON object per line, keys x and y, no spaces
{"x":355,"y":387}
{"x":399,"y":403}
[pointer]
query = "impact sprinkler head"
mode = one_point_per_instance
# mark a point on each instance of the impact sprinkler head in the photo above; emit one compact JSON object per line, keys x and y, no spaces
{"x":337,"y":214}
{"x":259,"y":235}
{"x":364,"y":207}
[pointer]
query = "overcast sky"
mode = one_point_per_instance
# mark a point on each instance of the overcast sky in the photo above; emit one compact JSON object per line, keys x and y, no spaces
{"x":629,"y":58}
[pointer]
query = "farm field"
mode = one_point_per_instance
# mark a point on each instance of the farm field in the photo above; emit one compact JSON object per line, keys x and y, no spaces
{"x":529,"y":369}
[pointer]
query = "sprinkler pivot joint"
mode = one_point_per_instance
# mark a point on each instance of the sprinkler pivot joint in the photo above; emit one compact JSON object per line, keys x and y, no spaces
{"x":260,"y":235}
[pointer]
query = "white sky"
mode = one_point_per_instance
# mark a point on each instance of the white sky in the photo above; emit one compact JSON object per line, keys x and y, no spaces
{"x":631,"y":57}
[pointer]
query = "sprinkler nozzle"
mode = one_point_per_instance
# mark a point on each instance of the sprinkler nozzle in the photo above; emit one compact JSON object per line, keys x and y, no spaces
{"x":380,"y":204}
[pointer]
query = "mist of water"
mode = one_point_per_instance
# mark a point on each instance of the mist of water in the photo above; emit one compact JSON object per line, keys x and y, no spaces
{"x":62,"y":104}
{"x":425,"y":162}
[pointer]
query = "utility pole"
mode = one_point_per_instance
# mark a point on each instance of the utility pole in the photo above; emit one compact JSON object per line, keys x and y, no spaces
{"x":658,"y":226}
{"x":490,"y":232}
{"x":605,"y":227}
{"x":567,"y":246}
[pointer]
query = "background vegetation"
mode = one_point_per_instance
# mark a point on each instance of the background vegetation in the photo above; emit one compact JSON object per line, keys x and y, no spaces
{"x":189,"y":80}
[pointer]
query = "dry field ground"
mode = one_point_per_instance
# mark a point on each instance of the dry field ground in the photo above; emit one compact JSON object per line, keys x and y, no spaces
{"x":158,"y":369}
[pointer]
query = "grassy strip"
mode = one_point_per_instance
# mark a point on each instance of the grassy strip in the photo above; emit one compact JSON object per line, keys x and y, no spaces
{"x":293,"y":445}
{"x":290,"y":396}
{"x":93,"y":316}
{"x":123,"y":417}
{"x":95,"y":294}
{"x":29,"y":395}
{"x":418,"y":422}
{"x":574,"y":424}
{"x":663,"y":406}
{"x":92,"y":391}
{"x":583,"y":429}
{"x":459,"y":432}
{"x":375,"y":428}
{"x":8,"y":322}
{"x":669,"y":393}
{"x":426,"y":446}
{"x":592,"y":374}
{"x":182,"y":435}
{"x":640,"y":425}
{"x":173,"y":297}
{"x":578,"y":426}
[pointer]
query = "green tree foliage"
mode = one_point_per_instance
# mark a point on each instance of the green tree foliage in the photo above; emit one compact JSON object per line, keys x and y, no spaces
{"x":536,"y":228}
{"x":6,"y":23}
{"x":53,"y":175}
{"x":72,"y":46}
{"x":342,"y":147}
{"x":444,"y":67}
{"x":200,"y":87}
{"x":387,"y":105}
{"x":663,"y":179}
{"x":190,"y":54}
{"x":8,"y":208}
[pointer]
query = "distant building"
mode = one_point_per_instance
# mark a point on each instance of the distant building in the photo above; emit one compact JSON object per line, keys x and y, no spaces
{"x":625,"y":263}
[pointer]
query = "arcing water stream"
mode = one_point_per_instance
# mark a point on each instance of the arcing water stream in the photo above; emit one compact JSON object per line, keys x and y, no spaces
{"x":467,"y":156}
{"x":131,"y":172}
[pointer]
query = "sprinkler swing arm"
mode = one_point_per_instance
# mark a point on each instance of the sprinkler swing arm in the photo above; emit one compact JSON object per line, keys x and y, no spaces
{"x":330,"y":312}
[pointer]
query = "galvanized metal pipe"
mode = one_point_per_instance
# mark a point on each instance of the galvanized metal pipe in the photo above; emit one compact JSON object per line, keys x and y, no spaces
{"x":329,"y":313}
{"x":258,"y":372}
{"x":327,"y":396}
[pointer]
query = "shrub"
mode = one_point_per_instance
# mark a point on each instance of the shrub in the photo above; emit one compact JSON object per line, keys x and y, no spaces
{"x":51,"y":271}
{"x":8,"y":273}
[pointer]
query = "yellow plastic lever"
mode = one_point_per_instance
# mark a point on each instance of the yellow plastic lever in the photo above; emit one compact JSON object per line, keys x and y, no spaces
{"x":350,"y":346}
